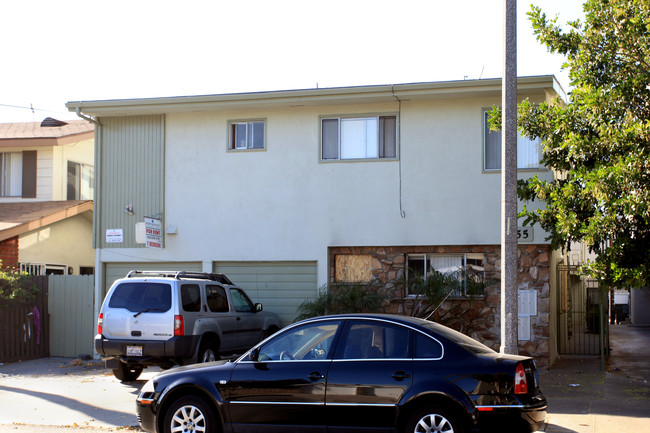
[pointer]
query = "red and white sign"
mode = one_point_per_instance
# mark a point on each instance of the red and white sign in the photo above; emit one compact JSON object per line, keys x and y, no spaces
{"x":153,"y":233}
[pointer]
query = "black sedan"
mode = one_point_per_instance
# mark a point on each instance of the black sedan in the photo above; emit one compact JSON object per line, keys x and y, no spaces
{"x":359,"y":372}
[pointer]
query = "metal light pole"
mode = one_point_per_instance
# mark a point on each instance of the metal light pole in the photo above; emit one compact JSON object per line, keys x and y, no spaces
{"x":509,"y":294}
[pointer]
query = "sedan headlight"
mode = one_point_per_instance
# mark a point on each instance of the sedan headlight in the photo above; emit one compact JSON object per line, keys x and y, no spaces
{"x":147,"y":393}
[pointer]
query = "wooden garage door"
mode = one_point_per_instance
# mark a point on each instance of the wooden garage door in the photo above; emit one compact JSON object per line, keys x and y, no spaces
{"x":279,"y":286}
{"x":115,"y":271}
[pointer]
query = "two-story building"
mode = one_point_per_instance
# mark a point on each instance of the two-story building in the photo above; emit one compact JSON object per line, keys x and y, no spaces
{"x":46,"y":192}
{"x":287,"y":191}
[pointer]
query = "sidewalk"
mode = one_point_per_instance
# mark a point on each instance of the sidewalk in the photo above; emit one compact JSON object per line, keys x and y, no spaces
{"x":584,"y":399}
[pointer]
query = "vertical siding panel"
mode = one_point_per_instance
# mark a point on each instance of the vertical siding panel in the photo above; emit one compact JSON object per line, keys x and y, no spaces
{"x":132,"y":173}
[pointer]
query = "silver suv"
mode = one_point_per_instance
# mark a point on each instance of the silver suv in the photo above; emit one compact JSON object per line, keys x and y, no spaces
{"x":167,"y":318}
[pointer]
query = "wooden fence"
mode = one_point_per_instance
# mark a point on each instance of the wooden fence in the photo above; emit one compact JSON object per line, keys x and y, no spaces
{"x":24,"y":327}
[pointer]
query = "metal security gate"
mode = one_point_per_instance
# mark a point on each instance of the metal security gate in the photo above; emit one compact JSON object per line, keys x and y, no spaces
{"x":582,"y":324}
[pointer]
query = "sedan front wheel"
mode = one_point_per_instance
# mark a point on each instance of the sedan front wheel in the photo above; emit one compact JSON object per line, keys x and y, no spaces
{"x":189,"y":414}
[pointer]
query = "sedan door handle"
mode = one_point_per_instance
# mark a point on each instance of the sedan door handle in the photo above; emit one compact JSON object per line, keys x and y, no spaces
{"x":401,"y":375}
{"x":315,"y":375}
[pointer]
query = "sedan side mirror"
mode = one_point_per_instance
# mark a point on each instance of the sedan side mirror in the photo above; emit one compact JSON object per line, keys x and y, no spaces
{"x":258,"y":307}
{"x":255,"y":354}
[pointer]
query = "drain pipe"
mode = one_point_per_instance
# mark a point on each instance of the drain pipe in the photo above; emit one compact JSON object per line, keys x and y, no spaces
{"x":97,"y":242}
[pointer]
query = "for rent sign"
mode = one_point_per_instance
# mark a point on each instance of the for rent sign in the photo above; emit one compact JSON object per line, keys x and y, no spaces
{"x":153,"y":230}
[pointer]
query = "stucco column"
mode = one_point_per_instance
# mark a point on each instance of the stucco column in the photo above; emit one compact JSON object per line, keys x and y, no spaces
{"x":509,"y":295}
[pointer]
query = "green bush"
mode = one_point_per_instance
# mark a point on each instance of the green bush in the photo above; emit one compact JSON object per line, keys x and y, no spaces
{"x":344,"y":298}
{"x":15,"y":287}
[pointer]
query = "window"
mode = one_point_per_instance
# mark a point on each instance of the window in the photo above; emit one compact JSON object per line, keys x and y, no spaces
{"x":191,"y":297}
{"x":368,"y":340}
{"x":427,"y":348}
{"x":217,"y":300}
{"x":81,"y":180}
{"x":137,"y":297}
{"x":529,"y":152}
{"x":306,"y":342}
{"x":467,"y":272}
{"x":240,"y":302}
{"x":246,"y":135}
{"x":11,"y":174}
{"x":359,"y":138}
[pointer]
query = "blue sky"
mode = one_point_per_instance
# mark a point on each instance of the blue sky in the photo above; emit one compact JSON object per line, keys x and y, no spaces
{"x":72,"y":50}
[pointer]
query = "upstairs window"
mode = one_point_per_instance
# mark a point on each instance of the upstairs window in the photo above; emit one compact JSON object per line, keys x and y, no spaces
{"x":11,"y":174}
{"x":529,"y":152}
{"x":344,"y":138}
{"x":81,"y":180}
{"x":246,"y":135}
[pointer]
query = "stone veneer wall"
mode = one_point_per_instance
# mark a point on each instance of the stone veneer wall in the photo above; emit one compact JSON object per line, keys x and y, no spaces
{"x":480,"y":317}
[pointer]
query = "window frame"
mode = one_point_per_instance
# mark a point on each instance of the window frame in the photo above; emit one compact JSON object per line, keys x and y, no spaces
{"x":485,"y":131}
{"x":379,"y":134}
{"x":231,"y":143}
{"x":427,"y":257}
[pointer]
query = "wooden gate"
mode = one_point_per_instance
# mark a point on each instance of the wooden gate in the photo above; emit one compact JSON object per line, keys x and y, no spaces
{"x":71,"y":301}
{"x":24,"y":327}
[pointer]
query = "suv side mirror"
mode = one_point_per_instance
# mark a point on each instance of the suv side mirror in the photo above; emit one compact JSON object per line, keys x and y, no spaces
{"x":258,"y":307}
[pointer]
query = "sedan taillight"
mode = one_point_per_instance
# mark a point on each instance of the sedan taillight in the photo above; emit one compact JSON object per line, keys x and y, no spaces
{"x":100,"y":324}
{"x":179,"y":325}
{"x":521,"y":384}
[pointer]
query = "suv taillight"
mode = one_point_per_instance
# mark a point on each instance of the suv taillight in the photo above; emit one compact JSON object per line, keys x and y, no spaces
{"x":100,"y":324}
{"x":521,"y":385}
{"x":179,"y":325}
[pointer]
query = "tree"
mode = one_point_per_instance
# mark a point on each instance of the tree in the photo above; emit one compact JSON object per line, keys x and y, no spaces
{"x":599,"y":142}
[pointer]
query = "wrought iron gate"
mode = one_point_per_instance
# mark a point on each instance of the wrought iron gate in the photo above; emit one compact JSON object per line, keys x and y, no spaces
{"x":582,"y":314}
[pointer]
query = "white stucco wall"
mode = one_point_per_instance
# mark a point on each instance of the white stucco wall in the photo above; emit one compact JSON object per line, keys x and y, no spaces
{"x":81,"y":152}
{"x":67,"y":242}
{"x":282,"y":203}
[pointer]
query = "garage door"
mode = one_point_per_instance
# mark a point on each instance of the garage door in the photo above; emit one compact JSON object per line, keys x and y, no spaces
{"x":115,"y":271}
{"x":279,"y":286}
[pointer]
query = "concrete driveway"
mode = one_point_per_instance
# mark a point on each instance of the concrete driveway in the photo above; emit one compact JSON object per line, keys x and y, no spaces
{"x":67,"y":392}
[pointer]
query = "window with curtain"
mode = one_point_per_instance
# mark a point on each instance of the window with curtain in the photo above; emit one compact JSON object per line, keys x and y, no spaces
{"x":529,"y":152}
{"x":246,"y":135}
{"x":11,"y":174}
{"x":81,"y":181}
{"x":468,"y":268}
{"x":373,"y":137}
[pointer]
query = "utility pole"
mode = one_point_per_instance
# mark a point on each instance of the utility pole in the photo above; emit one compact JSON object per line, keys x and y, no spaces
{"x":509,"y":293}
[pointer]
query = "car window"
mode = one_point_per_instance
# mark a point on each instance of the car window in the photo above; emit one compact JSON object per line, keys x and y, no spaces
{"x":240,"y":301}
{"x":374,"y":340}
{"x":191,"y":297}
{"x":307,"y":342}
{"x":137,"y":297}
{"x":216,"y":298}
{"x":462,"y":340}
{"x":427,"y":347}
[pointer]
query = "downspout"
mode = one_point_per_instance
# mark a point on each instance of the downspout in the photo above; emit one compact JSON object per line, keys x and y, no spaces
{"x":99,"y":270}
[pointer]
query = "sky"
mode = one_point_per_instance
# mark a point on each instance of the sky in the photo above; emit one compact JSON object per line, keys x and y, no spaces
{"x":82,"y":50}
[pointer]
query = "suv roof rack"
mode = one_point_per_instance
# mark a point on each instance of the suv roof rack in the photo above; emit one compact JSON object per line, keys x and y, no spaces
{"x":221,"y":278}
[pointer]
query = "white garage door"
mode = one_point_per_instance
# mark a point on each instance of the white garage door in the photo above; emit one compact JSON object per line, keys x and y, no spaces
{"x":279,"y":286}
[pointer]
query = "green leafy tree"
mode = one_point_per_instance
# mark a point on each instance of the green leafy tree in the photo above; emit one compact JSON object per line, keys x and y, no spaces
{"x":599,"y":142}
{"x":15,"y":287}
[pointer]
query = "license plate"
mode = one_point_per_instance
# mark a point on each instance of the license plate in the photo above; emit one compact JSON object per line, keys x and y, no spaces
{"x":133,"y":350}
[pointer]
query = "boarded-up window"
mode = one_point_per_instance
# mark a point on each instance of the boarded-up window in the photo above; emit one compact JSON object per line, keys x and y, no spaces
{"x":353,"y":268}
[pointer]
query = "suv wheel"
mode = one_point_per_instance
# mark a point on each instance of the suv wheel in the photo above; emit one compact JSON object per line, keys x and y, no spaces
{"x":208,"y":352}
{"x":127,"y":373}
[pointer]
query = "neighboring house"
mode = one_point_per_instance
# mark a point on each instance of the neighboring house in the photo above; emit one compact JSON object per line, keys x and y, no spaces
{"x":46,"y":188}
{"x":287,"y":191}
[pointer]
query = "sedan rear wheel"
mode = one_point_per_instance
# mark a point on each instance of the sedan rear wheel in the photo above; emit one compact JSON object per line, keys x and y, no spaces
{"x":433,"y":419}
{"x":189,"y":414}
